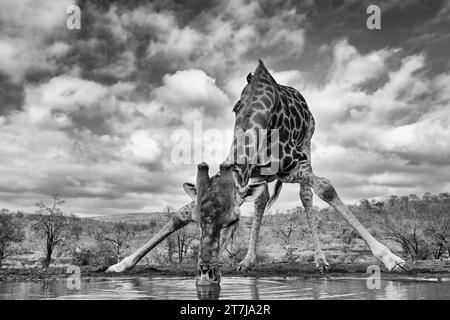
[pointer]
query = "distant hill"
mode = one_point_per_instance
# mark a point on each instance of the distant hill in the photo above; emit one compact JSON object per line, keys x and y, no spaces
{"x":134,"y":218}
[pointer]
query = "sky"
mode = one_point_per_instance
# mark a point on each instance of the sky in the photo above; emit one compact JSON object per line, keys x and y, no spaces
{"x":95,"y":114}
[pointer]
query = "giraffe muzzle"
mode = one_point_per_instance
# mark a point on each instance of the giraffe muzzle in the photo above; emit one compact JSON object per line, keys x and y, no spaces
{"x":208,"y":275}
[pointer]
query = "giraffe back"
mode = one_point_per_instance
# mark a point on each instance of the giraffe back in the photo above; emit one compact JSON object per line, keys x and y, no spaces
{"x":295,"y":124}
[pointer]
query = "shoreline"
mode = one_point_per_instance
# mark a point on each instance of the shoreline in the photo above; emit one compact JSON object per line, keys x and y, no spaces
{"x":423,"y":270}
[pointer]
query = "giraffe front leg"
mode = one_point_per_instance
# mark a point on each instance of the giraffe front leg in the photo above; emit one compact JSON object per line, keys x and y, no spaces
{"x":306,"y":197}
{"x":260,"y":205}
{"x":325,"y":190}
{"x":181,"y":218}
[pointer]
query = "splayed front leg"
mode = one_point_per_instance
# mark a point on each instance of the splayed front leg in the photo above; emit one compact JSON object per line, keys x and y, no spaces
{"x":180,"y":219}
{"x":325,"y":190}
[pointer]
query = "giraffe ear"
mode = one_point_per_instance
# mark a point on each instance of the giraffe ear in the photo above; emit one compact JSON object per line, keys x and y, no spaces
{"x":253,"y":191}
{"x":249,"y":77}
{"x":190,"y":189}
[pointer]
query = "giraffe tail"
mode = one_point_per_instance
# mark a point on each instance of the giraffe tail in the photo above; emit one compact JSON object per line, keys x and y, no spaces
{"x":274,"y":197}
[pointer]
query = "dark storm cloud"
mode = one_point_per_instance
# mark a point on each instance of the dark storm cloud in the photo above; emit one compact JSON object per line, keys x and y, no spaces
{"x":98,"y":46}
{"x":408,"y":22}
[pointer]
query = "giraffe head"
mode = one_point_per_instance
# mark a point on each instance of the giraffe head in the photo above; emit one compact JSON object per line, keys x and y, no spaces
{"x":217,"y":201}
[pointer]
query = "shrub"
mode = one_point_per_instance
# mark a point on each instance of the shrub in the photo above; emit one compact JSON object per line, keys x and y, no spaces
{"x":11,"y":233}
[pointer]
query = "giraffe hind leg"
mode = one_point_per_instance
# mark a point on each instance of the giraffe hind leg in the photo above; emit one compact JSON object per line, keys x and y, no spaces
{"x":260,"y":205}
{"x":306,"y":196}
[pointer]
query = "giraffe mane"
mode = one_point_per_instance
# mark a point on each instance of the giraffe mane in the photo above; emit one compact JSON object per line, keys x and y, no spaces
{"x":260,"y":71}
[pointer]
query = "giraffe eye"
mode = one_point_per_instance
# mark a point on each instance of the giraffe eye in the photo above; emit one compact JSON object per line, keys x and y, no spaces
{"x":237,"y":106}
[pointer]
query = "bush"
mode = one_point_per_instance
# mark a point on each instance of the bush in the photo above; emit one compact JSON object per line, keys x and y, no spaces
{"x":93,"y":258}
{"x":235,"y":253}
{"x":83,"y":258}
{"x":411,"y":241}
{"x":306,"y":256}
{"x":11,"y":233}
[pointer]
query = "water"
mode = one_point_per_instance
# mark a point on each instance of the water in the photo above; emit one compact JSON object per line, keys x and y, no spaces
{"x":231,"y":288}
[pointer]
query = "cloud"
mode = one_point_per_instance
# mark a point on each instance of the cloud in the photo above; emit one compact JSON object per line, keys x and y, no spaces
{"x":91,"y":113}
{"x":87,"y":140}
{"x":143,"y":147}
{"x":192,"y":89}
{"x":27,"y":29}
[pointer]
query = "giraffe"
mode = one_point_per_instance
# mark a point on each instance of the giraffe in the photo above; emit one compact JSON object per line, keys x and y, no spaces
{"x":291,"y":117}
{"x":264,"y":105}
{"x":267,"y":105}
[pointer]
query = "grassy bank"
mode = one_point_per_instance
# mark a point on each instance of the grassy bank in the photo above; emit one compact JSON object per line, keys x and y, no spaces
{"x":422,"y":269}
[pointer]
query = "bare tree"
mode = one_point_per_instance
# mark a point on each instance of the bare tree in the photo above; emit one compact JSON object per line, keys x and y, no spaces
{"x":11,"y":232}
{"x":427,"y":197}
{"x":444,"y":197}
{"x":170,"y":241}
{"x":412,"y":243}
{"x":380,"y":206}
{"x":404,"y":203}
{"x":54,"y":226}
{"x":420,"y":225}
{"x":393,"y":199}
{"x":365,"y":204}
{"x":180,"y":241}
{"x":284,"y":227}
{"x":413,"y":198}
{"x":183,"y":239}
{"x":438,"y":236}
{"x":117,"y":238}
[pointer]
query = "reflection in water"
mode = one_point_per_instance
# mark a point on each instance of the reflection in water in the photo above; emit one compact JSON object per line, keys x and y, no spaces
{"x":211,"y":292}
{"x":231,"y":288}
{"x":395,"y":291}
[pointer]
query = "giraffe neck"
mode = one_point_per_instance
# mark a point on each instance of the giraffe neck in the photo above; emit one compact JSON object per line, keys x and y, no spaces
{"x":252,"y":121}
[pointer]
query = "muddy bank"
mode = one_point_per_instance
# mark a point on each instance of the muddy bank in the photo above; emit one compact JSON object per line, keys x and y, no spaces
{"x":422,"y":269}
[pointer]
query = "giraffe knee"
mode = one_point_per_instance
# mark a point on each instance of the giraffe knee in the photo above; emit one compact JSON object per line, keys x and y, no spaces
{"x":325,"y":190}
{"x":180,"y":219}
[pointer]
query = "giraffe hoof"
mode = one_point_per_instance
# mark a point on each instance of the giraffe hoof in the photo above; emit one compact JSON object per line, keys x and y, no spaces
{"x":323,"y":268}
{"x":246,"y":265}
{"x":321,"y":263}
{"x":394,"y":263}
{"x":403,"y":267}
{"x":115,"y":269}
{"x":122,"y":266}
